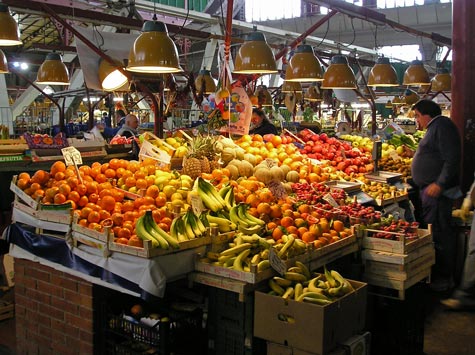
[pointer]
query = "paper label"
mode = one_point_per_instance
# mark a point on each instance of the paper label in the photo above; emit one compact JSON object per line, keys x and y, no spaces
{"x":71,"y":156}
{"x":197,"y":205}
{"x":277,"y":263}
{"x":331,"y":200}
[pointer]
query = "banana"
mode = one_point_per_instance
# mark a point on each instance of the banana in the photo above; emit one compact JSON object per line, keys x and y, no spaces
{"x":295,"y":269}
{"x":303,"y":267}
{"x":312,"y":285}
{"x":224,"y":190}
{"x":181,"y":234}
{"x":224,"y":225}
{"x":236,"y":250}
{"x":229,"y":263}
{"x":287,"y":245}
{"x":187,"y":228}
{"x":254,"y":238}
{"x":143,"y":234}
{"x":256,"y":258}
{"x":208,"y":200}
{"x":234,"y":217}
{"x":315,"y":295}
{"x":276,"y":288}
{"x":252,"y":219}
{"x":319,"y":301}
{"x":347,"y":287}
{"x":150,"y":226}
{"x":230,"y":198}
{"x":250,"y":230}
{"x":173,"y":231}
{"x":263,"y":265}
{"x":211,"y":191}
{"x":196,"y":225}
{"x":298,"y":290}
{"x":289,"y":293}
{"x":265,"y":254}
{"x":300,"y":244}
{"x":242,"y":215}
{"x":224,"y":258}
{"x":238,"y":262}
{"x":282,"y":281}
{"x":295,"y":276}
{"x":331,"y":281}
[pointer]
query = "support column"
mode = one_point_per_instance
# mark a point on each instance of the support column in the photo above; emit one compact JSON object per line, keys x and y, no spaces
{"x":463,"y":83}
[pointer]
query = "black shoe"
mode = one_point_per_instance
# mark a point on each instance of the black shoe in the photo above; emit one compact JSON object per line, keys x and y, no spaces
{"x":457,"y":305}
{"x":441,"y":285}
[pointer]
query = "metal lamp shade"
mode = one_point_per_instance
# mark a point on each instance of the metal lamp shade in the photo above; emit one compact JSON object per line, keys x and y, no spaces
{"x":291,"y":86}
{"x":304,"y":66}
{"x":111,"y":78}
{"x":442,"y":81}
{"x":397,"y":101}
{"x":313,"y":94}
{"x":339,"y":75}
{"x":3,"y":63}
{"x":154,"y":51}
{"x":263,"y":96}
{"x":9,"y":35}
{"x":255,"y":56}
{"x":410,"y":97}
{"x":416,"y":74}
{"x":53,"y":71}
{"x":383,"y":74}
{"x":204,"y":82}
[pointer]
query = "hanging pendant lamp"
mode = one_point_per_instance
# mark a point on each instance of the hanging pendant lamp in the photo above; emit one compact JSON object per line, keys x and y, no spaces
{"x":291,"y":86}
{"x":304,"y":66}
{"x":53,"y":71}
{"x":383,"y":74}
{"x":9,"y":35}
{"x":339,"y":75}
{"x":255,"y":56}
{"x":416,"y":74}
{"x":410,"y":97}
{"x":3,"y":63}
{"x":204,"y":82}
{"x":313,"y":94}
{"x":397,"y":101}
{"x":111,"y":78}
{"x":263,"y":96}
{"x":442,"y":81}
{"x":154,"y":51}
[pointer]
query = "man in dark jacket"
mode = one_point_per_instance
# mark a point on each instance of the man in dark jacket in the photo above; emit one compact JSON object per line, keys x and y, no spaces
{"x":262,"y":125}
{"x":435,"y":170}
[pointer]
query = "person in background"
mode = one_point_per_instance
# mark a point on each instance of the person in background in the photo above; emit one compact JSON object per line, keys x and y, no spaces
{"x":106,"y":119}
{"x":463,"y":297}
{"x":435,"y":170}
{"x":129,"y":128}
{"x":119,"y":118}
{"x":262,"y":125}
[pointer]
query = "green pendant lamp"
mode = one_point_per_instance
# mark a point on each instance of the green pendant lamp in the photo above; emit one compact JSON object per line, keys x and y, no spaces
{"x":53,"y":71}
{"x":416,"y":74}
{"x":255,"y":56}
{"x":154,"y":51}
{"x":383,"y":74}
{"x":339,"y":75}
{"x":9,"y":35}
{"x":442,"y":81}
{"x":304,"y":66}
{"x":204,"y":82}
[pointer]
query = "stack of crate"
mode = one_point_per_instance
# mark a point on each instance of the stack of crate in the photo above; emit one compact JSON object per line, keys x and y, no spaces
{"x":396,"y":265}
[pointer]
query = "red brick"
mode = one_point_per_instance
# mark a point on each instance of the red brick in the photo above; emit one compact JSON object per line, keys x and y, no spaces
{"x":86,"y":312}
{"x":79,"y":322}
{"x":73,"y":343}
{"x":51,"y":311}
{"x":30,"y":283}
{"x":41,"y":275}
{"x":19,"y":268}
{"x":58,"y":337}
{"x":62,"y":349}
{"x":68,"y":283}
{"x":53,"y":290}
{"x":20,"y":330}
{"x":46,"y":268}
{"x":58,"y":325}
{"x":44,"y":320}
{"x":71,"y":331}
{"x":42,"y":341}
{"x":19,"y":310}
{"x":86,"y":348}
{"x":31,"y":328}
{"x":32,"y":349}
{"x":31,"y":316}
{"x":44,"y":331}
{"x":85,"y":289}
{"x":67,"y":307}
{"x":26,"y":302}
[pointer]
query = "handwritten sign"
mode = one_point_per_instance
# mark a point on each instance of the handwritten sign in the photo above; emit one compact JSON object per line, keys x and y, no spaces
{"x":277,"y":263}
{"x":329,"y":198}
{"x":71,"y":156}
{"x":197,"y":205}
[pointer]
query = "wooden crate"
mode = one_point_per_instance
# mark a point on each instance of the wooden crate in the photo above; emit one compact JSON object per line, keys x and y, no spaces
{"x":401,"y":246}
{"x":7,"y":310}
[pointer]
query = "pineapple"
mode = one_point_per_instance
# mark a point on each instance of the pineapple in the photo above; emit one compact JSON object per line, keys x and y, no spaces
{"x":201,"y":156}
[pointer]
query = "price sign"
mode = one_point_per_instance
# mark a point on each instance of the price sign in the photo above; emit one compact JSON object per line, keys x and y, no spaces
{"x":329,"y":198}
{"x":197,"y":204}
{"x":71,"y":156}
{"x":277,"y":263}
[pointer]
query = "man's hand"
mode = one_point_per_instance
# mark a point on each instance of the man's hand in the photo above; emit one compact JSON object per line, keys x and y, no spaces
{"x":433,"y":190}
{"x":465,"y":209}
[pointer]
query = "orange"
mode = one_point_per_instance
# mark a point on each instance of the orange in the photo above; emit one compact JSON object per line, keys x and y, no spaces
{"x":107,"y":202}
{"x":152,"y":191}
{"x":117,"y":219}
{"x":94,"y":217}
{"x":74,"y":196}
{"x":140,"y":174}
{"x":104,"y":215}
{"x":83,"y":200}
{"x":129,"y":216}
{"x":128,"y":206}
{"x":101,"y":178}
{"x":121,"y":241}
{"x":25,"y":176}
{"x":59,"y":176}
{"x":130,"y":181}
{"x":286,"y":221}
{"x":292,"y":230}
{"x":40,"y":176}
{"x":58,"y":166}
{"x":114,"y":163}
{"x":83,"y":222}
{"x":93,"y":198}
{"x":338,"y":225}
{"x":117,"y":195}
{"x":252,"y":200}
{"x":85,"y":169}
{"x":23,"y":183}
{"x":59,"y":199}
{"x":271,"y":225}
{"x":134,"y":241}
{"x":277,"y":233}
{"x":308,"y":237}
{"x":263,"y":208}
{"x":141,"y":183}
{"x":119,"y":172}
{"x":110,"y":173}
{"x":105,"y":192}
{"x":85,"y":212}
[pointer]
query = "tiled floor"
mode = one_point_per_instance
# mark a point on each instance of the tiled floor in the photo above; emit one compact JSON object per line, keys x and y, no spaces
{"x":446,"y":332}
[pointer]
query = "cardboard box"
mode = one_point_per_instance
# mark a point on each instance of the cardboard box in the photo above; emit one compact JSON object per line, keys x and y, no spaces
{"x":310,"y":327}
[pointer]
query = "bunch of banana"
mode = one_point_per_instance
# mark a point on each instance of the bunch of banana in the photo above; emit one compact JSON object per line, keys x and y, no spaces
{"x":246,"y":222}
{"x":220,"y":220}
{"x":289,"y":246}
{"x":209,"y":195}
{"x":243,"y":252}
{"x":187,"y":227}
{"x":297,"y":284}
{"x":147,"y":229}
{"x":227,"y":193}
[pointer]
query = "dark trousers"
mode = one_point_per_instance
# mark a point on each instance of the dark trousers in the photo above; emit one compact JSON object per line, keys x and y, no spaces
{"x":438,"y":212}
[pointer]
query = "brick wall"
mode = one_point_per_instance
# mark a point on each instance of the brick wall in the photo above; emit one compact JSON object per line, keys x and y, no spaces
{"x":54,"y":311}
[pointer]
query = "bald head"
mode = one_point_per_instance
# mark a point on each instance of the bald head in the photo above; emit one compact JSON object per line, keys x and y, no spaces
{"x":131,"y":121}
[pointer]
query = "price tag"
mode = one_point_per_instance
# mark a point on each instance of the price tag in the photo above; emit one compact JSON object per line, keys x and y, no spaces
{"x":277,"y":263}
{"x":315,"y":161}
{"x":362,"y":197}
{"x":330,"y":200}
{"x":71,"y":156}
{"x":197,"y":205}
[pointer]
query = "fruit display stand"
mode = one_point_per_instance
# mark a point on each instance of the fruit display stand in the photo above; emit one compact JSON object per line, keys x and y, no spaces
{"x":393,"y":266}
{"x":12,"y":150}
